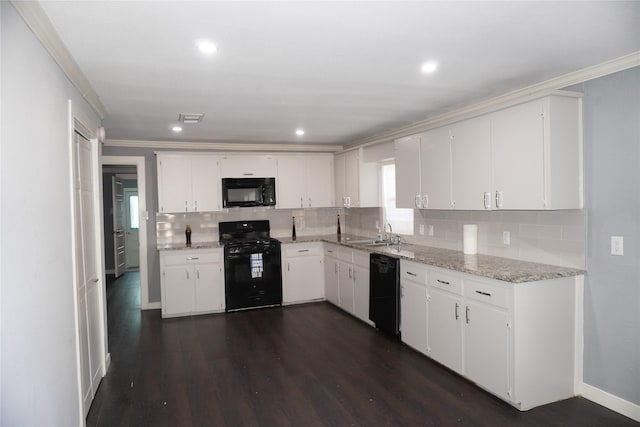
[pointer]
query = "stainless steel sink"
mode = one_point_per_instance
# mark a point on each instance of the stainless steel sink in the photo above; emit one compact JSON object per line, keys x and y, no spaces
{"x":367,"y":242}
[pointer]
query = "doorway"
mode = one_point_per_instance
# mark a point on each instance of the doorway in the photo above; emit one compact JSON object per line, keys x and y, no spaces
{"x":131,"y":170}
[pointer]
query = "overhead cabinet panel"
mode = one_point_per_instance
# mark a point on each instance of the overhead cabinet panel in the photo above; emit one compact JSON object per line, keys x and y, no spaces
{"x":188,"y":183}
{"x":305,"y":181}
{"x":407,"y":158}
{"x":248,"y":167}
{"x":356,"y":182}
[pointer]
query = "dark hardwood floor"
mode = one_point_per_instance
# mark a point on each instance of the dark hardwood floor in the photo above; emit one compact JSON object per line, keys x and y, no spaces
{"x":306,"y":365}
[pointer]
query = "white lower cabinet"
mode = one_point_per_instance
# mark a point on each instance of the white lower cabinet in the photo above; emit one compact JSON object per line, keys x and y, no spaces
{"x":445,"y":329}
{"x":413,"y":305}
{"x":361,"y":285}
{"x":303,"y":272}
{"x":331,"y":281}
{"x":353,"y":282}
{"x":192,"y":282}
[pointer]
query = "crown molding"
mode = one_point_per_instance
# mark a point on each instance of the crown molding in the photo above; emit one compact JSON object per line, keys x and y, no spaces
{"x":530,"y":92}
{"x":222,"y":146}
{"x":35,"y":17}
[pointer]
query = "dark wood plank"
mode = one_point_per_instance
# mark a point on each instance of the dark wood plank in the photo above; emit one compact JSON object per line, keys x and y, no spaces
{"x":310,"y":365}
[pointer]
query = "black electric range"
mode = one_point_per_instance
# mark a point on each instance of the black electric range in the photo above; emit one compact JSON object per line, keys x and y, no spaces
{"x":252,"y":265}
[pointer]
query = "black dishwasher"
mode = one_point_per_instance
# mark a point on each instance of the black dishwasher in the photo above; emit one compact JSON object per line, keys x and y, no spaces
{"x":384,"y":293}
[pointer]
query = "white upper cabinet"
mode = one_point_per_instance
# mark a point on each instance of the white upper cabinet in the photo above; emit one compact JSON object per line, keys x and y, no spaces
{"x":305,"y":181}
{"x":188,"y":183}
{"x":435,"y":169}
{"x":471,"y":164}
{"x":248,"y":167}
{"x":356,"y":182}
{"x":536,"y":155}
{"x":407,"y":159}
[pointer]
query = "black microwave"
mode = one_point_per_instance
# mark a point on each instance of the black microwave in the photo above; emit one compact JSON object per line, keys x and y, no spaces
{"x":245,"y":192}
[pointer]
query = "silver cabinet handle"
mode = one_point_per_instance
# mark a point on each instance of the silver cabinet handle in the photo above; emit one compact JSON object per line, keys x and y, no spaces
{"x":487,"y":200}
{"x":412,"y":274}
{"x":248,"y":174}
{"x":288,"y":267}
{"x":301,"y":202}
{"x":487,"y":294}
{"x":418,"y":202}
{"x":188,"y":275}
{"x":456,"y":310}
{"x":335,"y":269}
{"x":198,"y":274}
{"x":303,"y":250}
{"x":195,"y":205}
{"x":499,"y":198}
{"x":425,"y":201}
{"x":95,"y":280}
{"x":467,"y":314}
{"x":443,"y":282}
{"x":186,"y":206}
{"x":309,"y":201}
{"x":191,"y":258}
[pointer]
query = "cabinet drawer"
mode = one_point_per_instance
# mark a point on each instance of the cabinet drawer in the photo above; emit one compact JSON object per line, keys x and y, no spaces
{"x":487,"y":292}
{"x":191,"y":257}
{"x":303,"y":249}
{"x":361,"y":258}
{"x":330,"y":250}
{"x":414,"y":272}
{"x":446,"y":281}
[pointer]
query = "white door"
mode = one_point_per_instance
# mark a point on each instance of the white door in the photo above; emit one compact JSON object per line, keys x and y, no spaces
{"x":361,"y":293}
{"x":340,"y":179}
{"x":206,"y":184}
{"x":174,"y":184}
{"x":319,"y":182}
{"x":487,"y":347}
{"x":331,"y":286}
{"x":119,"y":219}
{"x":304,"y":279}
{"x":345,"y":274}
{"x":435,"y":161}
{"x":89,"y":284}
{"x":445,"y":318}
{"x":413,"y":315}
{"x":291,"y":182}
{"x":179,"y":290}
{"x":352,"y":178}
{"x":209,"y":287}
{"x":471,"y":164}
{"x":132,"y":226}
{"x":407,"y":159}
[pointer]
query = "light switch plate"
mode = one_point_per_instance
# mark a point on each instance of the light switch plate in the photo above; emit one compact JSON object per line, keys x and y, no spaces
{"x":421,"y":229}
{"x":617,"y":245}
{"x":430,"y":230}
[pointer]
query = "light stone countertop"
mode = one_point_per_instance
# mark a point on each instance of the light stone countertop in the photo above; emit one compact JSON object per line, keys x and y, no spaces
{"x":493,"y":267}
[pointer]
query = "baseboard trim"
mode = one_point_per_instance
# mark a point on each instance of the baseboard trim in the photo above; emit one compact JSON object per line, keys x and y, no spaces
{"x":608,"y":400}
{"x":107,"y":363}
{"x":152,"y":306}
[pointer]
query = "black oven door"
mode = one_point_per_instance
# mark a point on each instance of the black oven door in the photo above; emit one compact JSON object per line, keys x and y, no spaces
{"x":253,"y":276}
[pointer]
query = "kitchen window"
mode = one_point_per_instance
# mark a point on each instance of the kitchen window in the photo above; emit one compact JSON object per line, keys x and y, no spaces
{"x":400,"y":219}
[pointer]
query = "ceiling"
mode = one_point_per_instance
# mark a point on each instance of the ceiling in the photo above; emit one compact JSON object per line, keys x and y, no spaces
{"x":343,"y":71}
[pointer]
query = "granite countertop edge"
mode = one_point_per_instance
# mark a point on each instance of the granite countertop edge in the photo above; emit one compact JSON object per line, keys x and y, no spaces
{"x":492,"y":267}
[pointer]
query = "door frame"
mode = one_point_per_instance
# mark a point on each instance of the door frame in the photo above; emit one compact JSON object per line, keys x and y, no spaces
{"x":139,"y":163}
{"x":127,"y":192}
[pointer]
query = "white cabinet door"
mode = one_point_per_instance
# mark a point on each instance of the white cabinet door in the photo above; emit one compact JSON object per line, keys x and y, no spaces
{"x":209,"y":288}
{"x":319,"y":182}
{"x":471,"y":164}
{"x":339,"y":162}
{"x":361,"y":292}
{"x":331,"y":277}
{"x":248,"y":167}
{"x":174,"y":184}
{"x":407,"y":160}
{"x":413,"y":315}
{"x":291,"y":182}
{"x":352,"y":178}
{"x":446,"y":313}
{"x":304,"y":279}
{"x":518,"y":162}
{"x":435,"y":166}
{"x":345,"y":270}
{"x":178,"y":296}
{"x":206,"y":184}
{"x":486,"y":352}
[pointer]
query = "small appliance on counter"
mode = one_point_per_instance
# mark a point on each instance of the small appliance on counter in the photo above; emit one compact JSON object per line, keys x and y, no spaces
{"x":252,"y":265}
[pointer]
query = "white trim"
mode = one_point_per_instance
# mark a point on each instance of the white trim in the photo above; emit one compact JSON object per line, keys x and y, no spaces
{"x":578,"y":368}
{"x":516,"y":96}
{"x":35,"y":17}
{"x":222,"y":146}
{"x":154,"y":306}
{"x":608,"y":400}
{"x":139,"y":162}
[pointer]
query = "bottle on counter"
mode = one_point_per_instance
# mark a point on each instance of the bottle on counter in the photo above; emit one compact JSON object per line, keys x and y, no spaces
{"x":293,"y":228}
{"x":338,"y":232}
{"x":187,"y":233}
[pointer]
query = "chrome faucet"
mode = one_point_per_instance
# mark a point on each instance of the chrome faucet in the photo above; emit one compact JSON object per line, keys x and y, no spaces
{"x":387,"y":236}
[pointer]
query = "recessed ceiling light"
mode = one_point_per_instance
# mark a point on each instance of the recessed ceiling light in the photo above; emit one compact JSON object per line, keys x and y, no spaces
{"x":176,"y":129}
{"x":429,"y":67}
{"x":299,"y":132}
{"x":206,"y":46}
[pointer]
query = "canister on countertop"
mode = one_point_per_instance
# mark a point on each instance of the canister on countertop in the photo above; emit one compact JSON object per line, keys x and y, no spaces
{"x":470,"y":239}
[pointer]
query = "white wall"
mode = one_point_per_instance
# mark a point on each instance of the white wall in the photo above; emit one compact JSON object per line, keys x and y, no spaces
{"x":38,"y":359}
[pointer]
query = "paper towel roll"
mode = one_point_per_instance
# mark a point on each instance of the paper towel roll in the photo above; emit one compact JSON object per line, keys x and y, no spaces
{"x":470,"y":238}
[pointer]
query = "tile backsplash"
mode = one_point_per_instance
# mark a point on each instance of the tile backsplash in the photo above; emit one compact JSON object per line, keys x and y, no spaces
{"x":550,"y":237}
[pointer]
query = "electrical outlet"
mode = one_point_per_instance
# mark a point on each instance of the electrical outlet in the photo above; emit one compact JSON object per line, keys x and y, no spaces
{"x":506,"y":237}
{"x":377,"y":225}
{"x":422,"y":229}
{"x":617,"y":245}
{"x":430,"y":230}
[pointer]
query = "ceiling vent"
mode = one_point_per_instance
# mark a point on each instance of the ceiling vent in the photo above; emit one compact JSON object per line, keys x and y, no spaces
{"x":190,"y":118}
